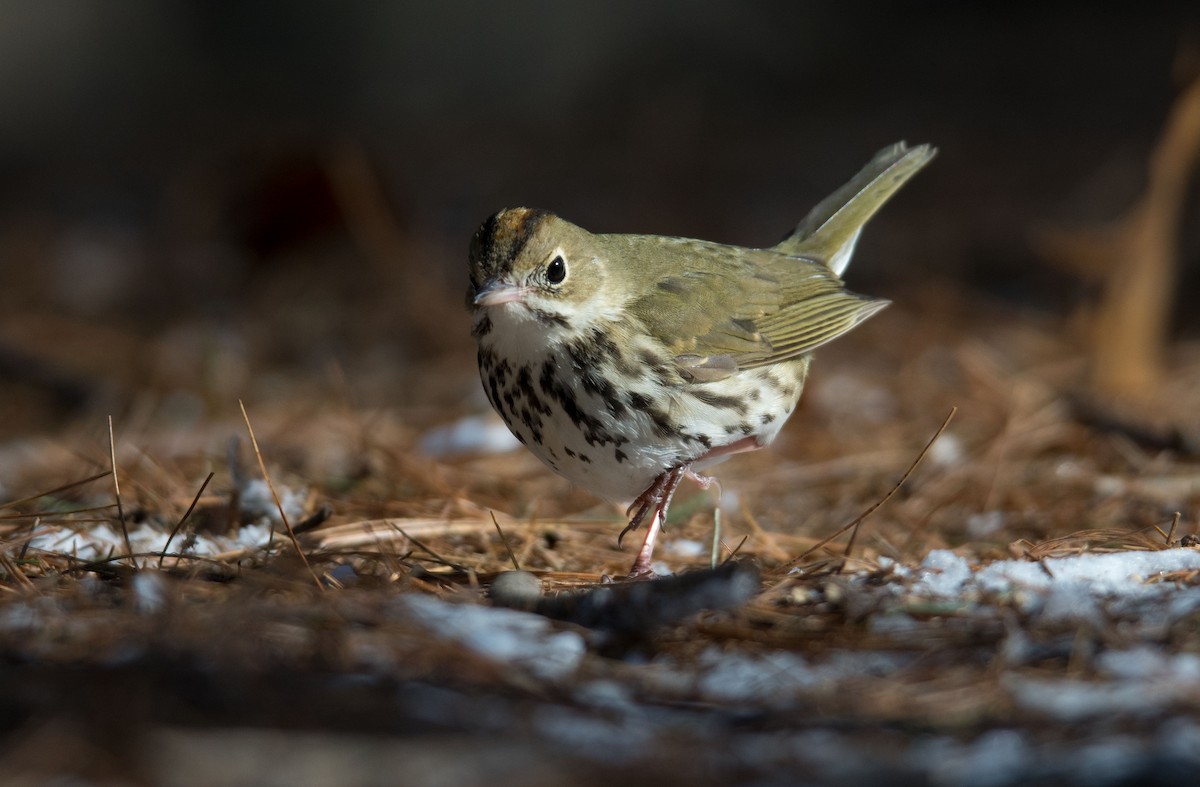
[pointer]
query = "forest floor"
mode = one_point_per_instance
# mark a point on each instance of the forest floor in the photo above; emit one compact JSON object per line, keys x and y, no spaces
{"x":1022,"y":609}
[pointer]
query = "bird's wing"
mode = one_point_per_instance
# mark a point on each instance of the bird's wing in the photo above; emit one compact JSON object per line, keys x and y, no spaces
{"x":737,"y":309}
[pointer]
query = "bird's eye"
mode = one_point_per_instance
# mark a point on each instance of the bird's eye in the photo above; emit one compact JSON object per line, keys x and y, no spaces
{"x":556,"y":271}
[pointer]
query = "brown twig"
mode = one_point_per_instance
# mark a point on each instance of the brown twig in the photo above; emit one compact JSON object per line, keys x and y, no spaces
{"x":874,"y":506}
{"x":49,"y":514}
{"x":429,"y":551}
{"x":184,"y":518}
{"x":1169,"y":536}
{"x":15,"y":572}
{"x":736,"y":549}
{"x":504,"y":541}
{"x":55,"y":490}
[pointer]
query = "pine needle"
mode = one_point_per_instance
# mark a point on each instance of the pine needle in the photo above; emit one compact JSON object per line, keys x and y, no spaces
{"x":112,"y":454}
{"x":853,"y":526}
{"x":275,"y":496}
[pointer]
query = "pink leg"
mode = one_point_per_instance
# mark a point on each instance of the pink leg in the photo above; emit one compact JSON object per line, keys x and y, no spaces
{"x":657,"y":498}
{"x":641,"y":565}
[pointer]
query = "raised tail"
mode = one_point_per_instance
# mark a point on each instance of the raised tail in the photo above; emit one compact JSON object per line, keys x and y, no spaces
{"x":830,"y":230}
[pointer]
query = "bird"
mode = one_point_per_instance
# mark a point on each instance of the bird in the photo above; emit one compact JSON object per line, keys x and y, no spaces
{"x":629,"y":362}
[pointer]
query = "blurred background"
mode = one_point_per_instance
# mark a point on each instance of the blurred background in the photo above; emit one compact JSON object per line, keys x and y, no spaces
{"x":221,"y":200}
{"x":212,"y":200}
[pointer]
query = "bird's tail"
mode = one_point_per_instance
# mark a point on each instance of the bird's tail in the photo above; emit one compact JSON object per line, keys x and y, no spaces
{"x":831,"y":229}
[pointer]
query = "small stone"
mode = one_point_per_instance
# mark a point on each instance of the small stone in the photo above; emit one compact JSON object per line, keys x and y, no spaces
{"x":516,"y":590}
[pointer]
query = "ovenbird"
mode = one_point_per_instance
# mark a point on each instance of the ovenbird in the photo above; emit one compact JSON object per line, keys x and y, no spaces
{"x":627,"y":362}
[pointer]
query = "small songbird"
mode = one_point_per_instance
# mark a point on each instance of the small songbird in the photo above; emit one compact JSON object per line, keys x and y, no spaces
{"x":627,"y":362}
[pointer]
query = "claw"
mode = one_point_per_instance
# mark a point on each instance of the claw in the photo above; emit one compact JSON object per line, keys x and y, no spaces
{"x":657,"y":498}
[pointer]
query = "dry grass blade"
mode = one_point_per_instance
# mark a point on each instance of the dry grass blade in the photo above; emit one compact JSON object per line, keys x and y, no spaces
{"x":275,"y":496}
{"x":433,"y":554}
{"x":1169,"y":537}
{"x":350,"y":535}
{"x":15,"y":572}
{"x":112,"y":454}
{"x":1089,"y":541}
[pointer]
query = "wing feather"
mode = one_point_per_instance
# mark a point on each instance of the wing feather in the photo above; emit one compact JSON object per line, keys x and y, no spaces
{"x":738,"y":308}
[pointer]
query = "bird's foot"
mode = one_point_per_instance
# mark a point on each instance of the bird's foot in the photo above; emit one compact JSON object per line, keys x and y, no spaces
{"x":654,"y":502}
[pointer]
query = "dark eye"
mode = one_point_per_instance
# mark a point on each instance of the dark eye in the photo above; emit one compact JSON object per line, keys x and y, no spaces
{"x":556,"y":271}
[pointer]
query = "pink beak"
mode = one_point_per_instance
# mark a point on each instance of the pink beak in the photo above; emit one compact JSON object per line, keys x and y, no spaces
{"x":495,"y":294}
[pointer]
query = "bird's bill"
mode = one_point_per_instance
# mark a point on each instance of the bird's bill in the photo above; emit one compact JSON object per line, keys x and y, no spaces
{"x":496,"y":293}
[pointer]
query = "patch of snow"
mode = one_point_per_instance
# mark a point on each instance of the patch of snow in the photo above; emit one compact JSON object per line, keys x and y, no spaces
{"x":1076,"y":588}
{"x":740,"y":677}
{"x":621,"y":739}
{"x":775,"y":677}
{"x":947,"y":450}
{"x":476,"y":434}
{"x":998,"y":757}
{"x":1110,"y":574}
{"x":1146,"y":662}
{"x":251,"y":536}
{"x":148,"y":595}
{"x":892,"y":623}
{"x":101,"y":541}
{"x":1065,"y":602}
{"x":661,"y":569}
{"x":1078,"y":700}
{"x":686,"y":548}
{"x":521,"y":639}
{"x":609,"y":694}
{"x":942,"y":574}
{"x":258,"y":502}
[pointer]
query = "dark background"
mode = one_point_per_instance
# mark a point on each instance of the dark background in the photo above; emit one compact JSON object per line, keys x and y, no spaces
{"x":198,"y":196}
{"x":270,"y":202}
